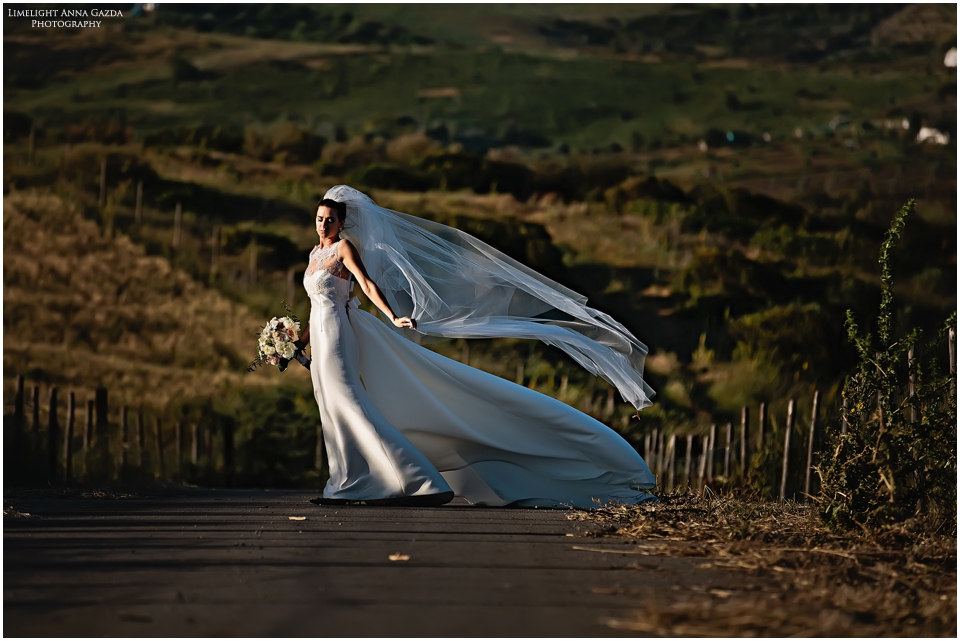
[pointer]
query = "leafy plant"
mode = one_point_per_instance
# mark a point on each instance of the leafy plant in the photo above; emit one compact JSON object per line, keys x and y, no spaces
{"x":897,"y":461}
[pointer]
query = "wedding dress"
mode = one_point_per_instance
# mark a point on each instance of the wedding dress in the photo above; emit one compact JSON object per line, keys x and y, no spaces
{"x":399,"y":420}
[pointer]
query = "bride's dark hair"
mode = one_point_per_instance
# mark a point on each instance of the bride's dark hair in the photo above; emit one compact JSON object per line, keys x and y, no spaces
{"x":340,"y":208}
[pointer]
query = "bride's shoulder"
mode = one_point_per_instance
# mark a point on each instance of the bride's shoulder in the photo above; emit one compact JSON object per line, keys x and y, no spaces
{"x":345,"y":248}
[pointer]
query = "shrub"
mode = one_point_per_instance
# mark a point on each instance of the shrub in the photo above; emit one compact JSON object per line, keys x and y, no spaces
{"x":285,"y":142}
{"x":354,"y":153}
{"x":899,"y":463}
{"x":409,"y":148}
{"x":208,"y":136}
{"x":795,"y":335}
{"x":386,"y":176}
{"x":454,"y":170}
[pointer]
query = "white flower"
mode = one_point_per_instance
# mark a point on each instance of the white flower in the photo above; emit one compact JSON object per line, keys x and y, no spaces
{"x":286,"y":350}
{"x":274,"y":322}
{"x":287,"y":323}
{"x":269,"y":350}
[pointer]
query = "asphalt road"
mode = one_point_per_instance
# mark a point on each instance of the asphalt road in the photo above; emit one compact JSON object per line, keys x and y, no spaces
{"x":233,"y":563}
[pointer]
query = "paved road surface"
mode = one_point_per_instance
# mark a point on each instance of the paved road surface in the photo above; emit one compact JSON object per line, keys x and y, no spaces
{"x":232,"y":563}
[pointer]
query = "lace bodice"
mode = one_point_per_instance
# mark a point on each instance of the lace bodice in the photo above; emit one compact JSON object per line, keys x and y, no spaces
{"x":326,"y":258}
{"x":326,"y":276}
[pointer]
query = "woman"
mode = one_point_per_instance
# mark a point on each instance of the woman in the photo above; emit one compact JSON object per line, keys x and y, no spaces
{"x":404,"y":425}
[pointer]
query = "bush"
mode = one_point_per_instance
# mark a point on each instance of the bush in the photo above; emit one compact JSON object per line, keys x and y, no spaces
{"x":16,"y":125}
{"x":798,"y":336}
{"x":286,"y":142}
{"x":353,"y":154}
{"x":409,"y":148}
{"x":207,"y":136}
{"x":386,"y":176}
{"x":454,"y":170}
{"x":585,"y":180}
{"x":738,"y":213}
{"x":507,"y":178}
{"x":899,"y":463}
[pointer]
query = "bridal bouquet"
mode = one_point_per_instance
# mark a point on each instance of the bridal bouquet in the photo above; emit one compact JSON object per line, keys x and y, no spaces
{"x":279,"y":343}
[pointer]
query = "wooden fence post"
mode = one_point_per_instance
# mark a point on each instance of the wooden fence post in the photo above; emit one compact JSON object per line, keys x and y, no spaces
{"x":68,"y":439}
{"x":726,"y":452}
{"x":177,"y":223}
{"x":912,"y":382}
{"x":745,"y":453}
{"x":654,"y":463}
{"x":141,"y":438}
{"x":671,"y":457}
{"x":844,"y":420}
{"x":761,"y":425}
{"x":124,"y":437}
{"x":687,"y":461}
{"x":102,"y":437}
{"x":158,"y":433}
{"x":952,"y":353}
{"x":519,"y":379}
{"x":208,"y":450}
{"x":194,"y":444}
{"x":52,"y":428}
{"x":811,"y":442}
{"x":178,"y":457}
{"x":661,"y":452}
{"x":19,"y":418}
{"x":103,"y":183}
{"x":702,"y":468}
{"x":228,"y":429}
{"x":35,"y":410}
{"x":647,"y":451}
{"x":138,"y":211}
{"x":87,"y":434}
{"x":711,"y":445}
{"x":786,"y":449}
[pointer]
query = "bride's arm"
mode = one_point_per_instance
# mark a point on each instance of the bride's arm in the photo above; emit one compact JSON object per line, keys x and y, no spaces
{"x":351,"y":260}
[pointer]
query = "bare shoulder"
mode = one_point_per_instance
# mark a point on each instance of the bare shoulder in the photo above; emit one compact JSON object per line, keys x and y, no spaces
{"x":346,"y":249}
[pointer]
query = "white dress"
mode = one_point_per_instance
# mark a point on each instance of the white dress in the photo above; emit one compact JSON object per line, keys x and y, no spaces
{"x":402,"y":421}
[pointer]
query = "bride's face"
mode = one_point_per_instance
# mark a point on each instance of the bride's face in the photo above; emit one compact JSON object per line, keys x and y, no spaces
{"x":328,"y":223}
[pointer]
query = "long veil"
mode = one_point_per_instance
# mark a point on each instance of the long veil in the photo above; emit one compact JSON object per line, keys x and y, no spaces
{"x":456,"y":286}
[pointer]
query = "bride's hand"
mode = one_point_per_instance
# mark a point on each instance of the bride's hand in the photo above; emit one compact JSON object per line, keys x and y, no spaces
{"x":405,"y":321}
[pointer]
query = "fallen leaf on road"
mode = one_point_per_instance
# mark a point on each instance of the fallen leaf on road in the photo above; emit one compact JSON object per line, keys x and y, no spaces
{"x":399,"y":557}
{"x":298,"y":518}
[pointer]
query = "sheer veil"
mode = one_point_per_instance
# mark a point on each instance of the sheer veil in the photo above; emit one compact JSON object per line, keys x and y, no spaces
{"x":456,"y":286}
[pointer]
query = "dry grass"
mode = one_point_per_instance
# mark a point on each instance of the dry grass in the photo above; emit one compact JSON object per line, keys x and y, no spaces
{"x":894,"y":583}
{"x":83,"y":309}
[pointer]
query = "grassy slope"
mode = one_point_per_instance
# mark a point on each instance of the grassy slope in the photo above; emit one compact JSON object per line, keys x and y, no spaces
{"x":82,"y":310}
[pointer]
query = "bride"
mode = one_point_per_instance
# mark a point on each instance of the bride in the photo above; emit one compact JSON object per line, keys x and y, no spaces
{"x":403,"y":425}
